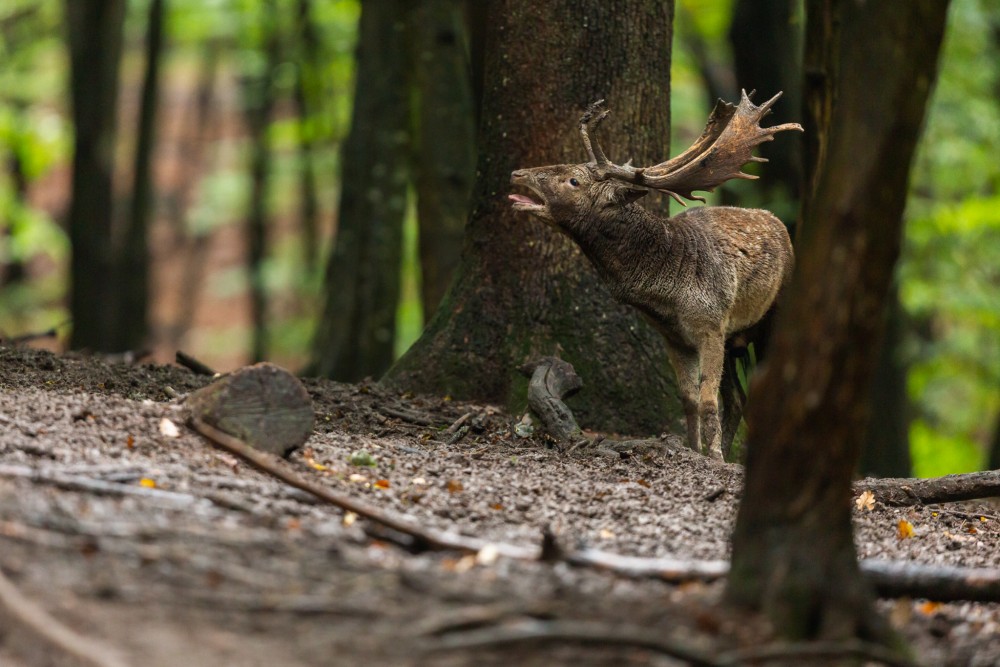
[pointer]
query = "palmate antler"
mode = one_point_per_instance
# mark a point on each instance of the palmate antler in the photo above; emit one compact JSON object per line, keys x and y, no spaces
{"x":732,"y":133}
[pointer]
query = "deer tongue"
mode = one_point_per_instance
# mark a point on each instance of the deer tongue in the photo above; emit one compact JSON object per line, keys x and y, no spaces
{"x":521,"y":199}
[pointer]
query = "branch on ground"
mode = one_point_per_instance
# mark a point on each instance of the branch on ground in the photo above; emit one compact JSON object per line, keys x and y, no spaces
{"x":947,"y":489}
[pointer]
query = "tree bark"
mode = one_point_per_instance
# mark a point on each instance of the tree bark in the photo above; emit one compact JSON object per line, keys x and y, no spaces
{"x":793,"y":554}
{"x":522,"y":290}
{"x":133,"y":253}
{"x":356,"y":332}
{"x":445,"y":139}
{"x":308,"y":100}
{"x":94,"y":29}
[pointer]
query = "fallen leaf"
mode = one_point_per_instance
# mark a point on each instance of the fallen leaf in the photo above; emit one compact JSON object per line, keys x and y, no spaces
{"x":349,"y":518}
{"x":169,"y":429}
{"x":928,"y":608}
{"x":362,"y":457}
{"x":355,"y":477}
{"x":420,"y":481}
{"x":606,"y":534}
{"x":971,"y":530}
{"x":381,"y":484}
{"x":496,"y":506}
{"x":644,"y":483}
{"x":455,"y":486}
{"x":147,"y":483}
{"x":904,"y":529}
{"x":130,"y":442}
{"x":315,"y":465}
{"x":866,"y":501}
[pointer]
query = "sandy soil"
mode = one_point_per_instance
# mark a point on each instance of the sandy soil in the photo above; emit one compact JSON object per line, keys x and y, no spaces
{"x":205,"y":561}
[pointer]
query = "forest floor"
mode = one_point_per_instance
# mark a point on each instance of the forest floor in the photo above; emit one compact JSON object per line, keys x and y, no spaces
{"x":176,"y":553}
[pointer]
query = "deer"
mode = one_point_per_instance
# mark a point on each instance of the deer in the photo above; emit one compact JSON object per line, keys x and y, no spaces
{"x":702,"y":277}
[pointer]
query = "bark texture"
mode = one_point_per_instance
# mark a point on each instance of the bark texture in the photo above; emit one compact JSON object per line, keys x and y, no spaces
{"x":522,"y":290}
{"x":94,"y":29}
{"x":357,"y":329}
{"x":793,"y":554}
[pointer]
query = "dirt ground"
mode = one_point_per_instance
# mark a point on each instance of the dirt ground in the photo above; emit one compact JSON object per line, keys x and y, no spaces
{"x":176,"y":553}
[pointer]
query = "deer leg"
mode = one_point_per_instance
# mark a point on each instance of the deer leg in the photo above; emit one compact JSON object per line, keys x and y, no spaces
{"x":712,"y":355}
{"x":687,"y":368}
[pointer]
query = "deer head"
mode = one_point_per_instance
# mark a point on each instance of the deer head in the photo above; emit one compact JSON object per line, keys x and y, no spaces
{"x":563,"y":193}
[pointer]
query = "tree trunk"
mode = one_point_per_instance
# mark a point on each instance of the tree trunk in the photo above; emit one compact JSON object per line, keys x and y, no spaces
{"x":445,"y":141}
{"x":133,"y":252}
{"x":886,"y":448}
{"x":94,"y":29}
{"x":308,"y":100}
{"x":523,"y":290}
{"x":766,"y":36}
{"x":259,"y":100}
{"x":793,"y":554}
{"x":357,"y":329}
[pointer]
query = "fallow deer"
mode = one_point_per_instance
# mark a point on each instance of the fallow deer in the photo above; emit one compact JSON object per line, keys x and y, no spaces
{"x":699,"y":277}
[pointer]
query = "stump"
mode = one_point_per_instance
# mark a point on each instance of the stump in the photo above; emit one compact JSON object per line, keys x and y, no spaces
{"x":263,"y":405}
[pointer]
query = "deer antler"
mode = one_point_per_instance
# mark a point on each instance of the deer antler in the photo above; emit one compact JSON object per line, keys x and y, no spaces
{"x":732,"y":133}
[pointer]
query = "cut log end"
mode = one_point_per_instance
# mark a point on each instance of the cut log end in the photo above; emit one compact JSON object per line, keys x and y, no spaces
{"x":263,"y":405}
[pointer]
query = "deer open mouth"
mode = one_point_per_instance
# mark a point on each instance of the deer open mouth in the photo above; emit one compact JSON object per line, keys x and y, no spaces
{"x":524,"y":202}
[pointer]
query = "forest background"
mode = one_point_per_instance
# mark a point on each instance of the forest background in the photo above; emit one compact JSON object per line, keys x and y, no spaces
{"x":225,"y":154}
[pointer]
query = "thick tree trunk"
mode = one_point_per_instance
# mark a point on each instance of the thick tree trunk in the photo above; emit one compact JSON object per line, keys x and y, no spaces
{"x":133,"y":252}
{"x":523,"y":290}
{"x":445,"y":141}
{"x":793,"y":555}
{"x":94,"y":30}
{"x":357,"y":329}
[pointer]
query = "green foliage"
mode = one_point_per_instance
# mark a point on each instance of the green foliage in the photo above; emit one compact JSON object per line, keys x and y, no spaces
{"x":949,"y":272}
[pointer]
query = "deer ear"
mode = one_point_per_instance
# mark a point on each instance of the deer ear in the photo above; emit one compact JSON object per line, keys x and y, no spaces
{"x":626,"y":194}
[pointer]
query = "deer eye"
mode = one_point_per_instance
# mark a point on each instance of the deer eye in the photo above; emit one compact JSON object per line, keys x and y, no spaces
{"x":575,"y":183}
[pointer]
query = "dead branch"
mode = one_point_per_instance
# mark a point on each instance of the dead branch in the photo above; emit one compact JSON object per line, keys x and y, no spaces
{"x":281,"y":469}
{"x":947,"y":489}
{"x":43,"y":625}
{"x":99,"y":487}
{"x":576,"y":632}
{"x":193,"y":365}
{"x":666,"y":569}
{"x":406,"y":415}
{"x":941,"y":583}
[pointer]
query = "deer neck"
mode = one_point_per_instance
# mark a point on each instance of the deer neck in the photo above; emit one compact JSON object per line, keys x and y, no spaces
{"x":624,"y":245}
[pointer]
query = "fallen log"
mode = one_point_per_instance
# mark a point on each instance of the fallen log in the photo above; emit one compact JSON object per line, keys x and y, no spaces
{"x":947,"y":489}
{"x":552,"y":380}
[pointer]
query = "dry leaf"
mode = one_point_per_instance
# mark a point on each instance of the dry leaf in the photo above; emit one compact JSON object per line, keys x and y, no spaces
{"x":904,"y":529}
{"x":316,"y":466}
{"x":147,"y":483}
{"x":419,"y":481}
{"x":971,"y":530}
{"x":130,"y":442}
{"x":455,"y":486}
{"x":606,"y":534}
{"x":355,"y":477}
{"x":496,"y":506}
{"x":169,"y":429}
{"x":643,"y":482}
{"x":349,"y":518}
{"x":928,"y":608}
{"x":866,"y":501}
{"x":381,"y":484}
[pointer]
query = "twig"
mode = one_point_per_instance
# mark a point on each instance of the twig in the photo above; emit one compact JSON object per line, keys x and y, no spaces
{"x":406,"y":415}
{"x":577,"y":632}
{"x":458,"y":423}
{"x":280,"y":469}
{"x":806,"y":652}
{"x":891,"y":579}
{"x":193,"y":365}
{"x":43,"y":625}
